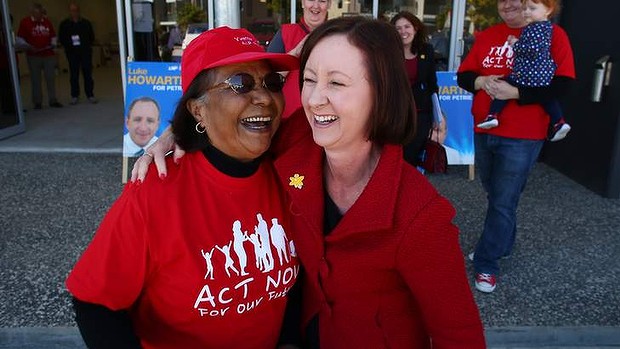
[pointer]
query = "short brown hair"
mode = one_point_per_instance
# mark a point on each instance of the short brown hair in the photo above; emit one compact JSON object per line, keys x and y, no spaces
{"x":393,"y":113}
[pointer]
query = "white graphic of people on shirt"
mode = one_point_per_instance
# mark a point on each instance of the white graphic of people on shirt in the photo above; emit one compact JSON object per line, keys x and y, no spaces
{"x":230,"y":263}
{"x":278,"y":239}
{"x":262,"y":239}
{"x":499,"y":56}
{"x":207,"y":256}
{"x":506,"y":50}
{"x":238,"y":238}
{"x":254,"y":239}
{"x":265,"y":245}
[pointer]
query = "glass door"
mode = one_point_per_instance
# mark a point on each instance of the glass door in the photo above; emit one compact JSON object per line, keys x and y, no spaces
{"x":263,"y":18}
{"x":477,"y":16}
{"x":439,"y":17}
{"x":11,"y":115}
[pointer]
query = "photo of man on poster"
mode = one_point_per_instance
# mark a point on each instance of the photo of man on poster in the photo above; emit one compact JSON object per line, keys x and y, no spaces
{"x":142,"y":122}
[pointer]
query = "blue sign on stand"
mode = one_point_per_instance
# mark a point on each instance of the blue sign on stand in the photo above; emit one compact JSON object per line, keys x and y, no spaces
{"x":151,"y":87}
{"x":456,"y":105}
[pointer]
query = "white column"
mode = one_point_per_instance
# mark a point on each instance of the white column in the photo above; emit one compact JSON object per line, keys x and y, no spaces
{"x":227,"y":12}
{"x":456,"y":34}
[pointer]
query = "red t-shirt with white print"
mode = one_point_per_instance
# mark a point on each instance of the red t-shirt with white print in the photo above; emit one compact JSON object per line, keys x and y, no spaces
{"x":39,"y":34}
{"x":491,"y":55}
{"x":200,"y":259}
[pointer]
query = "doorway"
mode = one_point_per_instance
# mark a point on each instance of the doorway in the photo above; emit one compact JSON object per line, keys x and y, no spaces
{"x":11,"y":113}
{"x":590,"y":154}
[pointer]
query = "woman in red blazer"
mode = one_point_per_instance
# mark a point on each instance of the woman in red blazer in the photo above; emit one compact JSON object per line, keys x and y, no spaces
{"x":383,"y":266}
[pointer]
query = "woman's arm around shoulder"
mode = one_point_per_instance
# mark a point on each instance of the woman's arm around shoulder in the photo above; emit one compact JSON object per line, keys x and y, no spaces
{"x":157,"y":152}
{"x":291,"y":131}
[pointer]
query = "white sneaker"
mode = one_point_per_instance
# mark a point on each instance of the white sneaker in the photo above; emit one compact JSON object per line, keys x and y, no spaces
{"x":490,"y":122}
{"x":485,"y":282}
{"x":560,"y":133}
{"x":471,"y":256}
{"x":73,"y":101}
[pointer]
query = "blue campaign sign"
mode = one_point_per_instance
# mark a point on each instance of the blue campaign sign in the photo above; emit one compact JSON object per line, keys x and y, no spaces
{"x":456,"y":105}
{"x":153,"y":90}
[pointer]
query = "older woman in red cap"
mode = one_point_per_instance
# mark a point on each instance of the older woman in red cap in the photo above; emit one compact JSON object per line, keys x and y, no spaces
{"x":204,"y":258}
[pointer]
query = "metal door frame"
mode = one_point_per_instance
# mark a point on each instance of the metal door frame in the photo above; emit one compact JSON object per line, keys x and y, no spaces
{"x":20,"y":127}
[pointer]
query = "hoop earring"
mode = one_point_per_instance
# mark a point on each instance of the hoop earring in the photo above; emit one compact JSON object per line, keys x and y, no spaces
{"x":199,"y":128}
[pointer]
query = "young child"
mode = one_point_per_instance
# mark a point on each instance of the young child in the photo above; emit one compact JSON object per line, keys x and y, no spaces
{"x":533,"y":66}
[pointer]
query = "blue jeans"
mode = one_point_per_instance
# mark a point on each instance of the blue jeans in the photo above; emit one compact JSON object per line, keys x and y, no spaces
{"x":504,"y":165}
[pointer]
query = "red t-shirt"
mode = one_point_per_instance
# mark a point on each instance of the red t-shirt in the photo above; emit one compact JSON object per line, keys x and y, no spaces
{"x":292,"y":34}
{"x":200,"y":259}
{"x":38,"y":34}
{"x":491,"y":55}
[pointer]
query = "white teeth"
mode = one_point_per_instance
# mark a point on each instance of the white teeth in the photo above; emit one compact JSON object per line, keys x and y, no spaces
{"x":257,"y":119}
{"x":325,"y":118}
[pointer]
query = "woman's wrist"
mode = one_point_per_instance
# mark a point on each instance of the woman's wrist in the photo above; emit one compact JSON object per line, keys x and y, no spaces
{"x":479,"y":83}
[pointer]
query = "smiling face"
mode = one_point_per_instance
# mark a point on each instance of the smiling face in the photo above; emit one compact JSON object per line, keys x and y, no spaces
{"x":535,"y":12}
{"x":143,"y":122}
{"x":406,"y":30}
{"x":239,"y":125}
{"x":315,"y":12}
{"x":511,"y":12}
{"x":336,"y":94}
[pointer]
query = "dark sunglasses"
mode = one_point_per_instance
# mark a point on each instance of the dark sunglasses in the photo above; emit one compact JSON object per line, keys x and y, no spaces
{"x":243,"y":83}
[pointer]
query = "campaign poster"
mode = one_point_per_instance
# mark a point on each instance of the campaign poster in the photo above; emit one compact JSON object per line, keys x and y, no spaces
{"x":153,"y":90}
{"x":456,"y":105}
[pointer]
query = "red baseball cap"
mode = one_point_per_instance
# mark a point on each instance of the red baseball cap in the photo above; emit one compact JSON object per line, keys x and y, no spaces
{"x":222,"y":46}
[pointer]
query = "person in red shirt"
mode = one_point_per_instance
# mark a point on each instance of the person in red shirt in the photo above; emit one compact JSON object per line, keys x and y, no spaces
{"x":37,"y":37}
{"x":206,"y":257}
{"x":290,"y":38}
{"x":381,"y":257}
{"x":506,"y":154}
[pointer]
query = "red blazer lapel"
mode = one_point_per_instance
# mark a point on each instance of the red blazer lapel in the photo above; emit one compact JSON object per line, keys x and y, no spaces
{"x":374,"y":209}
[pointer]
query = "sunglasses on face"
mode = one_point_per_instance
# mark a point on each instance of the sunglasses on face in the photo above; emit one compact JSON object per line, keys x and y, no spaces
{"x":243,"y":83}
